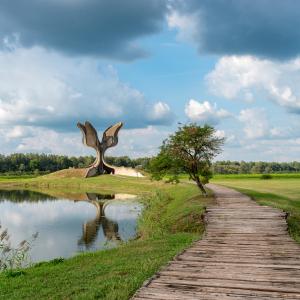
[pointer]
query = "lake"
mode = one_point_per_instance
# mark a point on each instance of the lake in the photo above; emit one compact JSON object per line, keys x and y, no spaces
{"x":69,"y":223}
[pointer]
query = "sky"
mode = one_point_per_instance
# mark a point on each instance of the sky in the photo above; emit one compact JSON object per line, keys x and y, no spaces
{"x":231,"y":64}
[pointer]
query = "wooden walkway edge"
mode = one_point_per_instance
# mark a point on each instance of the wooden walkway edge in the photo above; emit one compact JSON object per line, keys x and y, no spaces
{"x":246,"y":253}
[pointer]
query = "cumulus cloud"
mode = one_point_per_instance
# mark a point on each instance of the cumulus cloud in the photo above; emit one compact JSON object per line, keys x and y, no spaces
{"x":16,"y":132}
{"x":256,"y":124}
{"x":43,"y":140}
{"x":265,"y":28}
{"x":204,"y":112}
{"x":263,"y":150}
{"x":220,"y":133}
{"x":85,"y":27}
{"x":188,"y":25}
{"x":160,"y":111}
{"x":44,"y":89}
{"x":138,"y":142}
{"x":248,"y":77}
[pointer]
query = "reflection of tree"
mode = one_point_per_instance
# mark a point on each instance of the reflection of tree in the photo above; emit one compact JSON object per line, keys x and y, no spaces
{"x":93,"y":196}
{"x":23,"y":195}
{"x":91,"y":228}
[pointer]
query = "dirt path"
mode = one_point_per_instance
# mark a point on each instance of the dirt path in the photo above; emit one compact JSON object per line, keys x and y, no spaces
{"x":245,"y":254}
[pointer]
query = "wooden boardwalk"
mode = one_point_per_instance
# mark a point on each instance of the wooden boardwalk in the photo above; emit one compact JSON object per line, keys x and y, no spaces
{"x":246,"y":253}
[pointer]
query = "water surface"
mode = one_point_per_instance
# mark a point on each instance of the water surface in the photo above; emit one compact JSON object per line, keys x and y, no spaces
{"x":70,"y":223}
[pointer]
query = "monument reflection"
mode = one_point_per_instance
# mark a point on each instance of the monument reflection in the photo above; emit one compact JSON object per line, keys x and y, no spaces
{"x":90,"y":228}
{"x":68,"y":223}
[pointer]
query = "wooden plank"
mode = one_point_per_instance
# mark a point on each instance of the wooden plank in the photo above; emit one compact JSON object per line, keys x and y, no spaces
{"x":265,"y":277}
{"x":246,"y":253}
{"x":235,"y":264}
{"x":232,"y":284}
{"x":198,"y":291}
{"x":169,"y":293}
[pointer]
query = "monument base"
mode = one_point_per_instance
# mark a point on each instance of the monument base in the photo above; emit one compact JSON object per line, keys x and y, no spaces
{"x":81,"y":173}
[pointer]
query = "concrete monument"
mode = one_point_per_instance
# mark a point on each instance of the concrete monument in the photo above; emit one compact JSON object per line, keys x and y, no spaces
{"x":90,"y":139}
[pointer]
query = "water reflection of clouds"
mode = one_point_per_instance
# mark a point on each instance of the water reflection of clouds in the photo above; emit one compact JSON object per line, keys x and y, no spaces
{"x":28,"y":213}
{"x":14,"y":218}
{"x":118,"y":210}
{"x":62,"y":223}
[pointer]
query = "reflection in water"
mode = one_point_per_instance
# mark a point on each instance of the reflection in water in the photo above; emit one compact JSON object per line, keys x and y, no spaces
{"x":90,"y":228}
{"x":88,"y":222}
{"x":23,"y":195}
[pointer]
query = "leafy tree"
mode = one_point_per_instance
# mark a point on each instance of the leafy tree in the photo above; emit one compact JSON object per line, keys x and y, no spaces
{"x":34,"y":164}
{"x":22,"y":168}
{"x":163,"y":164}
{"x":190,"y":149}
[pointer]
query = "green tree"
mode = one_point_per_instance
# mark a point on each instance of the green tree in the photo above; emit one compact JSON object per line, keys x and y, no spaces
{"x":34,"y":164}
{"x":190,"y":149}
{"x":22,"y":168}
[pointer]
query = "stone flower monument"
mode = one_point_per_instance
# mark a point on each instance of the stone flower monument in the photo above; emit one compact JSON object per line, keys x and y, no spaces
{"x":90,"y":139}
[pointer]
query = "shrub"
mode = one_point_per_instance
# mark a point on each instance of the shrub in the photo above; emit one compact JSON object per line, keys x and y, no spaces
{"x":266,"y":176}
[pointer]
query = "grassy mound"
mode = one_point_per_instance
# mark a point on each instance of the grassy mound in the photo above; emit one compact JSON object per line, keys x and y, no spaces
{"x":68,"y":173}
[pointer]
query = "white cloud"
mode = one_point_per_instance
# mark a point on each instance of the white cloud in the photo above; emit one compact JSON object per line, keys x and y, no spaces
{"x":220,"y":133}
{"x":16,"y":132}
{"x":139,"y":142}
{"x":43,"y":88}
{"x":43,"y":94}
{"x":159,"y":111}
{"x":132,"y":142}
{"x":230,"y":138}
{"x":256,"y":124}
{"x":204,"y":112}
{"x":277,"y":132}
{"x":264,"y":150}
{"x":248,"y":77}
{"x":187,"y":25}
{"x":43,"y":140}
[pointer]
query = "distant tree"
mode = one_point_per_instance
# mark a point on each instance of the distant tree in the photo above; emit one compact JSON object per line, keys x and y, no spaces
{"x":244,"y":168}
{"x":22,"y":167}
{"x":33,"y":164}
{"x":268,"y":170}
{"x":258,"y":168}
{"x":190,"y":149}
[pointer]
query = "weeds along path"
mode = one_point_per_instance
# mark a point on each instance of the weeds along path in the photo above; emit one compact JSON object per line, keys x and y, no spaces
{"x":246,"y":253}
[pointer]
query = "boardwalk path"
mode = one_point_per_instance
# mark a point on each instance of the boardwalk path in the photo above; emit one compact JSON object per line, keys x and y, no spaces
{"x":245,"y":254}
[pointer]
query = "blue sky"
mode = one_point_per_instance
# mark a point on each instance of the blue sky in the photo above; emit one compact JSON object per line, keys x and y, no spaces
{"x":232,"y":64}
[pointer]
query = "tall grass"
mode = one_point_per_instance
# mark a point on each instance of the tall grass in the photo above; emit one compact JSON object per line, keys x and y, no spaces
{"x":14,"y":257}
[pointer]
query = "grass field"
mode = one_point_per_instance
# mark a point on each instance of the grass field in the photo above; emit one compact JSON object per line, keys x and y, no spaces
{"x":171,"y":221}
{"x":15,"y":177}
{"x":282,"y":191}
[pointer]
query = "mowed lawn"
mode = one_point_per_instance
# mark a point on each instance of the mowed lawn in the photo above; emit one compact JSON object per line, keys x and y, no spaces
{"x":281,"y":191}
{"x":171,"y":221}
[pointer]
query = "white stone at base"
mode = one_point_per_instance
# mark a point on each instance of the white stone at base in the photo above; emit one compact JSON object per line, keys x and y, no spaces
{"x":127,"y":172}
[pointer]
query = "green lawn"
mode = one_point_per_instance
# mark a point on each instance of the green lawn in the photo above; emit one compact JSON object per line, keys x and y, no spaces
{"x":15,"y":177}
{"x":171,"y":222}
{"x":282,"y":191}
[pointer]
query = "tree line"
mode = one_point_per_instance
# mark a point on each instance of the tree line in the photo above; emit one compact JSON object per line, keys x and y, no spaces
{"x":31,"y":163}
{"x":236,"y":167}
